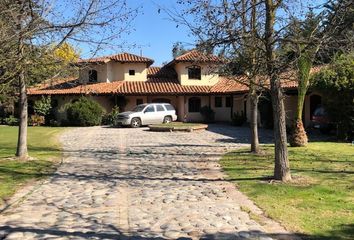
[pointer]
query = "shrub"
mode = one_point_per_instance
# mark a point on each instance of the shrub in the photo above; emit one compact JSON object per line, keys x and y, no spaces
{"x":11,"y":121}
{"x":336,"y":83}
{"x":36,"y":120}
{"x":208,"y":114}
{"x":84,"y":112}
{"x":110,"y":118}
{"x":43,"y":106}
{"x":238,"y":119}
{"x":54,"y":123}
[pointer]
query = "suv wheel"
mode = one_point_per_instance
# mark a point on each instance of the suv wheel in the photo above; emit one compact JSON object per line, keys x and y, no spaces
{"x":135,"y":123}
{"x":167,"y":119}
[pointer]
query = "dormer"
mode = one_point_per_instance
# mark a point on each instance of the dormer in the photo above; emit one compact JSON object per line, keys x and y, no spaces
{"x":119,"y":67}
{"x":196,"y":68}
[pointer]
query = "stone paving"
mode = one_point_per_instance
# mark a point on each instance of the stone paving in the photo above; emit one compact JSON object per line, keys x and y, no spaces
{"x":121,"y":183}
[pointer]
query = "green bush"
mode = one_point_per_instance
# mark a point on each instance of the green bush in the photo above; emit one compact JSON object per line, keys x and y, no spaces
{"x":208,"y":114}
{"x":238,"y":119}
{"x":36,"y":120}
{"x":110,"y":118}
{"x":84,"y":112}
{"x":11,"y":121}
{"x":336,"y":83}
{"x":43,"y":106}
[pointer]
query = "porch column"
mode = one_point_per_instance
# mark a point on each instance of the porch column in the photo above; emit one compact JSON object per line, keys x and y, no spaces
{"x":180,"y":108}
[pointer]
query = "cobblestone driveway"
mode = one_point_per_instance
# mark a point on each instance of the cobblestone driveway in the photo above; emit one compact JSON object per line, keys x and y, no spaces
{"x":132,"y":183}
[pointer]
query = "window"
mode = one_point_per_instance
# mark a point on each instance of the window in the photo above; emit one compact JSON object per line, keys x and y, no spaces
{"x":132,"y":72}
{"x":139,"y":101}
{"x":92,"y":76}
{"x":150,"y":108}
{"x":194,"y":72}
{"x":159,"y":108}
{"x":169,"y":107}
{"x":228,"y":102}
{"x":218,"y":102}
{"x":194,"y":104}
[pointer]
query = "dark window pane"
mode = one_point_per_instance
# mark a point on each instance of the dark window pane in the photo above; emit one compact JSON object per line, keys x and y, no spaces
{"x":228,"y":102}
{"x":194,"y":104}
{"x":131,"y":72}
{"x":92,"y":76}
{"x":194,"y":73}
{"x":218,"y":102}
{"x":150,"y":109}
{"x":169,"y":107}
{"x":139,"y":101}
{"x":159,"y":108}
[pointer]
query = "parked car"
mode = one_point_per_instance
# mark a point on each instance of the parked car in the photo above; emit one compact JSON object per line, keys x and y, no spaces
{"x":321,"y":121}
{"x":144,"y":114}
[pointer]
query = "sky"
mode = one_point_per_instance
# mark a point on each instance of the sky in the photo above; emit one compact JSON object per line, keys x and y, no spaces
{"x":153,"y":34}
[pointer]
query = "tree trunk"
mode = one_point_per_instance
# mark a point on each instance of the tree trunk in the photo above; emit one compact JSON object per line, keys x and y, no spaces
{"x":254,"y":122}
{"x":22,"y":131}
{"x":299,"y":136}
{"x":281,"y":166}
{"x":21,"y":151}
{"x":253,"y":91}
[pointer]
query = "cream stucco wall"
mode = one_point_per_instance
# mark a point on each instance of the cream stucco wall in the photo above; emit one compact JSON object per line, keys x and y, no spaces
{"x":208,"y":77}
{"x":221,"y":113}
{"x":194,"y":116}
{"x":120,"y":71}
{"x":101,"y":73}
{"x":132,"y":101}
{"x":115,"y":71}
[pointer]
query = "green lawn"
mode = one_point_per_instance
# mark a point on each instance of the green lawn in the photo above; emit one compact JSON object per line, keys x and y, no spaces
{"x":320,"y":201}
{"x":43,"y":146}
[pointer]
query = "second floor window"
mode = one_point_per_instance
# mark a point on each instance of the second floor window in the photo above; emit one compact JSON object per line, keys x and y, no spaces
{"x":92,"y":76}
{"x":194,"y":72}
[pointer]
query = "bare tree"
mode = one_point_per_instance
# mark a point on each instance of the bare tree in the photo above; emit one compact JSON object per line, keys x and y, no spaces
{"x":281,"y":166}
{"x":27,"y":25}
{"x":231,"y":28}
{"x":247,"y":26}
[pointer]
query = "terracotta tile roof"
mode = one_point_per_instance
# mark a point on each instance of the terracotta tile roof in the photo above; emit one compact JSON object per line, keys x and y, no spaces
{"x":196,"y":56}
{"x":228,"y":85}
{"x":151,"y":86}
{"x":239,"y":83}
{"x":160,"y":86}
{"x":121,"y":57}
{"x":153,"y":70}
{"x":74,"y":87}
{"x":154,"y":85}
{"x":161,"y":72}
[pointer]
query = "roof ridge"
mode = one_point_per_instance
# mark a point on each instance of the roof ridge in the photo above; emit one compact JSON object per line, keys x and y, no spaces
{"x":186,"y":53}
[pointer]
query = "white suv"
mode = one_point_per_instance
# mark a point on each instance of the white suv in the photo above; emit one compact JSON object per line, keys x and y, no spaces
{"x":150,"y":113}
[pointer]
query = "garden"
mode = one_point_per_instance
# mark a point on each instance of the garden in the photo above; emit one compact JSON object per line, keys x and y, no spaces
{"x":44,"y":150}
{"x":318,"y":203}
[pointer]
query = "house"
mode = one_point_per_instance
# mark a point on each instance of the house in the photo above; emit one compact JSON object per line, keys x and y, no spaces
{"x":188,"y":82}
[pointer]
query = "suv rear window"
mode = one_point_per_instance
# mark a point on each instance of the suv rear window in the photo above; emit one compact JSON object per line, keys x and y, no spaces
{"x":159,"y":108}
{"x":169,"y":107}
